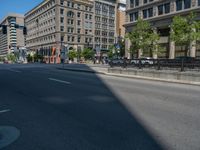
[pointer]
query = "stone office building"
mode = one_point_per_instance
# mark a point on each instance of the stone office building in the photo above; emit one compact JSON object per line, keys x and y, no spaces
{"x":160,"y":14}
{"x":54,"y":24}
{"x":14,"y":38}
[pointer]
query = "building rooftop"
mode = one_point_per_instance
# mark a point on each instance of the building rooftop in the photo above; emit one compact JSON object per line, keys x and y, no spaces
{"x":11,"y":15}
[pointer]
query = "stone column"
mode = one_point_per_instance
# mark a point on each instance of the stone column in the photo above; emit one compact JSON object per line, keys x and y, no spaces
{"x":155,"y":51}
{"x":127,"y":48}
{"x":140,"y":53}
{"x":193,"y":47}
{"x":171,"y":48}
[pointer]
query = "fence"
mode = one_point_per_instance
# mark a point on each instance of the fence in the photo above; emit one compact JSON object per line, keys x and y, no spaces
{"x":158,"y":64}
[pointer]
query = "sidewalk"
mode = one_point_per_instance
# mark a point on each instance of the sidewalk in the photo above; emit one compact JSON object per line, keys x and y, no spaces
{"x":154,"y":75}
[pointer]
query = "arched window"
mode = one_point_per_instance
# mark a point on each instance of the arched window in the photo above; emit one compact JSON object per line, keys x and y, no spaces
{"x":70,"y":14}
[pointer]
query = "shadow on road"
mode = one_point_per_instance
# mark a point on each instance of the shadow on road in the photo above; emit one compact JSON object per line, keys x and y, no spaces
{"x":85,"y":115}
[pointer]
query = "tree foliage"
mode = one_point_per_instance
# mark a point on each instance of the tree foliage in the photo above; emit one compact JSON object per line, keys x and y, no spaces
{"x":143,"y":37}
{"x":87,"y":53}
{"x":185,"y":29}
{"x":72,"y":54}
{"x":11,"y":57}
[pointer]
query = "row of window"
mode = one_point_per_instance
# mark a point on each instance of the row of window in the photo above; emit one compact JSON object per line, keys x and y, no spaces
{"x":104,"y":13}
{"x":45,"y":39}
{"x":104,"y":7}
{"x":41,"y":10}
{"x":77,"y":6}
{"x":104,"y":33}
{"x":72,"y":15}
{"x":42,"y":18}
{"x":41,"y":32}
{"x":162,"y":9}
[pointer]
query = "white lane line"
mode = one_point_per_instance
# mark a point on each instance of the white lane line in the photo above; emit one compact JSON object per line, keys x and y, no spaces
{"x":14,"y":70}
{"x":57,"y":80}
{"x":4,"y":111}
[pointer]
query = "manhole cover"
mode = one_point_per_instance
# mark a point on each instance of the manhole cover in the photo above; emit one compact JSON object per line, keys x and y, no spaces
{"x":8,"y":135}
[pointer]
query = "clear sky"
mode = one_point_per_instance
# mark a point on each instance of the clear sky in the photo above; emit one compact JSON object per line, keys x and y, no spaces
{"x":16,"y":6}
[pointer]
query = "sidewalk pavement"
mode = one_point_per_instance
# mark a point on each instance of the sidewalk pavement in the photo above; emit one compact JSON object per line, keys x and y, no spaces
{"x":103,"y":69}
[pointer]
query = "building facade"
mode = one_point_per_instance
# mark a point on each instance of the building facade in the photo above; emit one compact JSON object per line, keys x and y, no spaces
{"x":14,"y":39}
{"x":55,"y":24}
{"x":77,"y":24}
{"x":159,"y":14}
{"x":105,"y":24}
{"x":120,"y":18}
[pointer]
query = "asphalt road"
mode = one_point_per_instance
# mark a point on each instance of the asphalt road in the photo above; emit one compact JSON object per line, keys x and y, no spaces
{"x":43,"y":108}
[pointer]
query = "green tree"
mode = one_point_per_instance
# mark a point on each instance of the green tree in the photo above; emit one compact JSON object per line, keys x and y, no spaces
{"x":29,"y":58}
{"x":111,"y":52}
{"x":143,"y":38}
{"x":11,"y":57}
{"x":121,"y":43}
{"x":1,"y":59}
{"x":87,"y":53}
{"x":185,"y":30}
{"x":38,"y":58}
{"x":72,"y":54}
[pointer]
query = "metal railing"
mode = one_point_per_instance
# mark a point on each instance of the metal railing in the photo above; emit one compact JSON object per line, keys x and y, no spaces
{"x":158,"y":64}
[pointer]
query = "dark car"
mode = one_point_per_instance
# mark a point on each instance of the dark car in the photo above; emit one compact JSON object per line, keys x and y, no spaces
{"x":185,"y":58}
{"x":116,"y":62}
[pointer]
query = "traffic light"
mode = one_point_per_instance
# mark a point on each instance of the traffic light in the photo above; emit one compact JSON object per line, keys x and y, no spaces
{"x":16,"y":26}
{"x":25,"y":31}
{"x":4,"y":29}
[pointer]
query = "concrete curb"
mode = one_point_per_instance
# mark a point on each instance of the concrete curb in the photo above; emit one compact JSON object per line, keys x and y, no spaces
{"x":133,"y":76}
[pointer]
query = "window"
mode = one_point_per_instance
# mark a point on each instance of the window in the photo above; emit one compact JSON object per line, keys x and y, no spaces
{"x":69,"y":4}
{"x":79,"y":31}
{"x":187,"y":4}
{"x":86,"y":16}
{"x":150,"y":12}
{"x":160,"y":9}
{"x":179,"y":5}
{"x":145,"y":13}
{"x":61,"y":2}
{"x":145,"y":1}
{"x":78,"y":14}
{"x":134,"y":16}
{"x":61,"y":20}
{"x":61,"y":28}
{"x":199,"y":2}
{"x":136,"y":2}
{"x":70,"y":14}
{"x":62,"y":38}
{"x":79,"y":22}
{"x":164,"y":9}
{"x":79,"y":39}
{"x":78,"y":6}
{"x":167,"y":8}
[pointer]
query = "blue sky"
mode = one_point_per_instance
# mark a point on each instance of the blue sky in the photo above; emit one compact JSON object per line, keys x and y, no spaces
{"x":16,"y":6}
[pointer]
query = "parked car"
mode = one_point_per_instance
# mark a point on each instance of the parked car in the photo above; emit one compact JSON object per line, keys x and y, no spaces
{"x":186,"y":59}
{"x":116,"y":62}
{"x":147,"y":61}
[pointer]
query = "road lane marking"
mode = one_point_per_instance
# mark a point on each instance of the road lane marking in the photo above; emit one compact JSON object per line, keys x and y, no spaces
{"x":4,"y":111}
{"x":57,"y":80}
{"x":17,"y":71}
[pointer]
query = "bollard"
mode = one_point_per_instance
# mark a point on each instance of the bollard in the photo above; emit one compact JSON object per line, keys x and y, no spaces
{"x":182,"y":65}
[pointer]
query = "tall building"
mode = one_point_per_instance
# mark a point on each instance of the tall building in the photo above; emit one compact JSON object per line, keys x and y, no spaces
{"x":105,"y":24}
{"x":120,"y":18}
{"x":14,"y":37}
{"x":54,"y":24}
{"x":160,"y":14}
